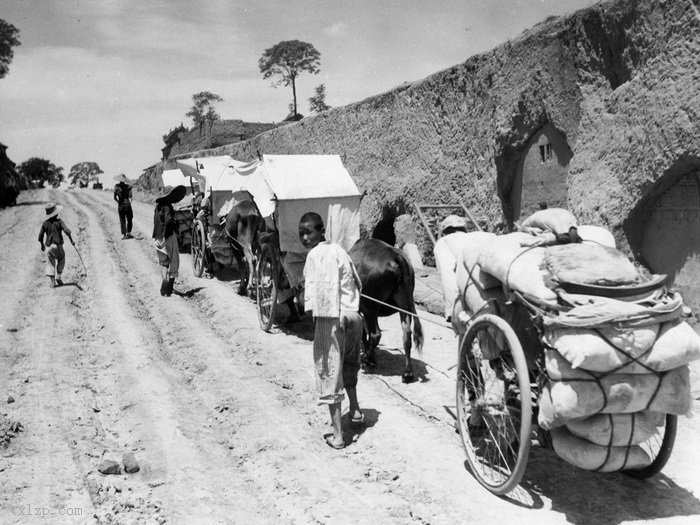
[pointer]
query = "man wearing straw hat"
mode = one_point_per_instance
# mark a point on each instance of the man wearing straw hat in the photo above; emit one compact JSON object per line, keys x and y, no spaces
{"x":53,"y":228}
{"x":122,"y":194}
{"x":165,"y":230}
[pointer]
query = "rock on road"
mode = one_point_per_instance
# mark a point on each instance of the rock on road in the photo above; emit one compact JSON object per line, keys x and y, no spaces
{"x":221,"y":416}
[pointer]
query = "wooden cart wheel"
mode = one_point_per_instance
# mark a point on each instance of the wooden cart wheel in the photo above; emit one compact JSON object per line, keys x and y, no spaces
{"x":198,"y":248}
{"x":494,"y":403}
{"x":659,"y":448}
{"x":266,"y":275}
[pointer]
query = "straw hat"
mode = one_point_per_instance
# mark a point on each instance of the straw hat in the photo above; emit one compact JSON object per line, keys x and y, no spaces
{"x":121,"y":178}
{"x":453,"y":221}
{"x":171,"y":194}
{"x":52,"y":210}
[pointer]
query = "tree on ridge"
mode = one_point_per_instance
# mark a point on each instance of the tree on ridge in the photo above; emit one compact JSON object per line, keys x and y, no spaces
{"x":203,"y":107}
{"x":287,"y":59}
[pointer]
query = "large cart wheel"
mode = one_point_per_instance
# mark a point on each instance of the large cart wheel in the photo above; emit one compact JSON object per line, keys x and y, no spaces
{"x":659,"y":448}
{"x":198,"y":248}
{"x":266,"y":275}
{"x":494,"y":405}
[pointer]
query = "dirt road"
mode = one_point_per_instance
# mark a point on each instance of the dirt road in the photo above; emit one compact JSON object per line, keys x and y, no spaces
{"x":221,"y":416}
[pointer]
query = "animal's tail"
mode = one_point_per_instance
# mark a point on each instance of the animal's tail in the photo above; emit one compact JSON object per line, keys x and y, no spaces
{"x":409,"y":278}
{"x":418,"y":334}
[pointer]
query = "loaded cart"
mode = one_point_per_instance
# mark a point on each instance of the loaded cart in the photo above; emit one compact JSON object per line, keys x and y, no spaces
{"x":294,"y":185}
{"x":566,"y":343}
{"x":215,"y":192}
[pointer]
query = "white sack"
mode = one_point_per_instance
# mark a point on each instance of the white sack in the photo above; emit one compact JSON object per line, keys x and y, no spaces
{"x":573,"y":394}
{"x":596,"y":234}
{"x":677,"y":344}
{"x":520,"y":268}
{"x":589,"y":456}
{"x":588,"y":349}
{"x":557,"y":220}
{"x":619,"y":430}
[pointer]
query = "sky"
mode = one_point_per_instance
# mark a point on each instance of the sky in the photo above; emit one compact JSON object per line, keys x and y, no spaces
{"x":103,"y":80}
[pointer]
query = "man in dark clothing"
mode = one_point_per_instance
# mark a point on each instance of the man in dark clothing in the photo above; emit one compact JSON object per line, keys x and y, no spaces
{"x":122,"y":194}
{"x":52,"y":229}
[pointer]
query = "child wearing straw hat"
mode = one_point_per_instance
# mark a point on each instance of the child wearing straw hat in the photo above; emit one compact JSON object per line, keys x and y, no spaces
{"x":51,"y":240}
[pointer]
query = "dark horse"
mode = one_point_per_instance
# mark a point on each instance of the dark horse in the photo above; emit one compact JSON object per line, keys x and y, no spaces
{"x":386,"y":275}
{"x":243,"y":227}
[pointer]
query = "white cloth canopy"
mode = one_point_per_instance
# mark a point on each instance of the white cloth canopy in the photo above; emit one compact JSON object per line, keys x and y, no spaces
{"x":296,"y":184}
{"x":175,"y":178}
{"x":285,"y":187}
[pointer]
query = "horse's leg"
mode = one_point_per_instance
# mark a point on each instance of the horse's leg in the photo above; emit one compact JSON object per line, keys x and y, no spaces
{"x":242,"y":269}
{"x":371,"y":341}
{"x":407,"y":376}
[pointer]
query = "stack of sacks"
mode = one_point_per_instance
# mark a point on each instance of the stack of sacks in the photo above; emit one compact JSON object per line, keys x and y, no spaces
{"x":609,"y":389}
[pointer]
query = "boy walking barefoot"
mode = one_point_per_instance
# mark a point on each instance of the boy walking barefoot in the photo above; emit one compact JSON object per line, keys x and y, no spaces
{"x":332,"y":294}
{"x":52,"y":229}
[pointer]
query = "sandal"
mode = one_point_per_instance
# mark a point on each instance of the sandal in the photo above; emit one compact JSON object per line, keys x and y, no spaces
{"x":360,"y":419}
{"x":333,"y":444}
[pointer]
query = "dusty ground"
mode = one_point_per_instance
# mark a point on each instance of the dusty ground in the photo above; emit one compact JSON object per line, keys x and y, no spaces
{"x":221,"y":416}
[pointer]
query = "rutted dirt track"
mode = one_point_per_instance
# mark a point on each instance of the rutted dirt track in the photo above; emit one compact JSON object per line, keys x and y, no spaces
{"x":221,"y":416}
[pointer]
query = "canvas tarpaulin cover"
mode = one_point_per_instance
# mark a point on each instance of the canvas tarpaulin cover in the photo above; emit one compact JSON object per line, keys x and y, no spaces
{"x":215,"y":174}
{"x":304,"y":183}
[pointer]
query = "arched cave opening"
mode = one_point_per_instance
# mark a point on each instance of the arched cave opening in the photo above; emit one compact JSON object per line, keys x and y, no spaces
{"x":532,"y":166}
{"x":663,"y":229}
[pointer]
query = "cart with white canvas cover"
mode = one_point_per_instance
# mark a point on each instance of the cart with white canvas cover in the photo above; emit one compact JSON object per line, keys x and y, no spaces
{"x":214,"y":188}
{"x":285,"y":187}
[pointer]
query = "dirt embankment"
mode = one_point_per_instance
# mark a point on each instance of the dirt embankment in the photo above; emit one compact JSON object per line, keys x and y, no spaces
{"x":221,"y":416}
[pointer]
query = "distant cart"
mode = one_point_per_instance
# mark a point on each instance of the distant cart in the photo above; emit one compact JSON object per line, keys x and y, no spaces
{"x":214,"y":192}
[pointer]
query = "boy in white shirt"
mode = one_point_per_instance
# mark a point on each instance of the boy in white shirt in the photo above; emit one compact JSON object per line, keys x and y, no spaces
{"x":332,"y":294}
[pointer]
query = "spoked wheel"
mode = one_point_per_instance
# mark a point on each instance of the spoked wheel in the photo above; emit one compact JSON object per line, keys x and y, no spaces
{"x":266,"y":287}
{"x":198,"y":249}
{"x":659,"y":448}
{"x":494,"y":405}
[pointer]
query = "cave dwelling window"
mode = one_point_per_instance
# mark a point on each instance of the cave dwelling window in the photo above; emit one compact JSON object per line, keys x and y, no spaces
{"x":545,"y":153}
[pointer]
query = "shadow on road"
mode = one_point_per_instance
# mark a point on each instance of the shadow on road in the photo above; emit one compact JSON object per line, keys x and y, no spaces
{"x":606,"y":499}
{"x":390,"y":362}
{"x":32,"y":203}
{"x":187,"y":293}
{"x":353,"y":431}
{"x":70,"y":284}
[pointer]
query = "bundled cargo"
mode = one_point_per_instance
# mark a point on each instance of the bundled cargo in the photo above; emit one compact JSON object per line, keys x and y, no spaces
{"x":640,"y":350}
{"x":519,"y":267}
{"x":576,"y":393}
{"x":590,"y":264}
{"x":618,"y":430}
{"x":600,"y":458}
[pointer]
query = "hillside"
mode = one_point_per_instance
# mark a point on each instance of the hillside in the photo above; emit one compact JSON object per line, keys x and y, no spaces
{"x":220,"y":132}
